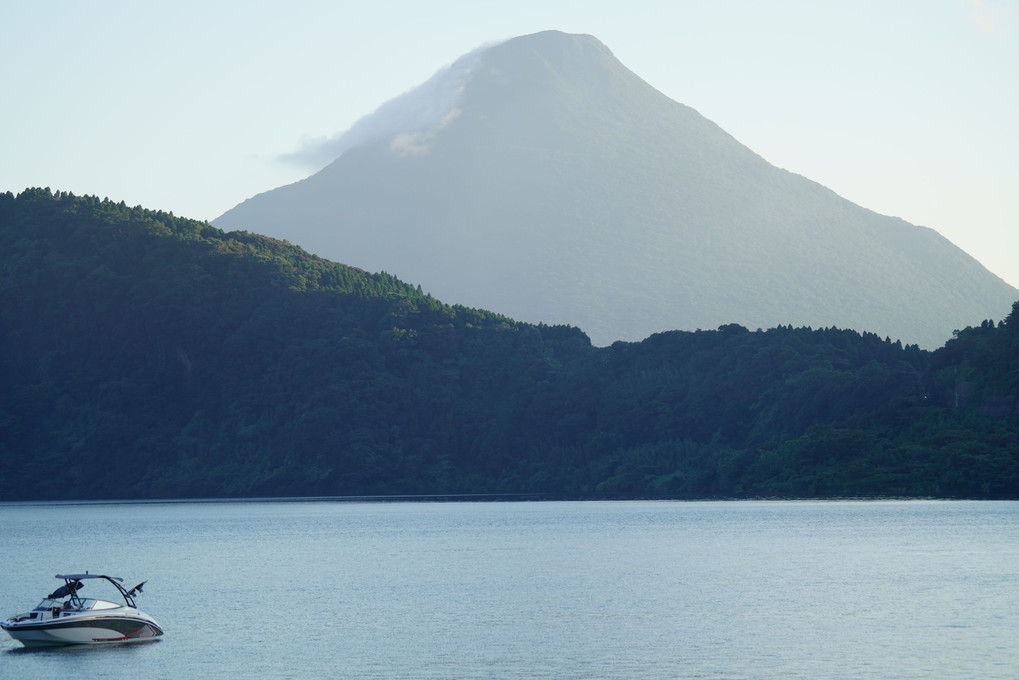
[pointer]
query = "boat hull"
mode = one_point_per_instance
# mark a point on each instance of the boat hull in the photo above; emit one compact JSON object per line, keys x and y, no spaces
{"x":84,"y":631}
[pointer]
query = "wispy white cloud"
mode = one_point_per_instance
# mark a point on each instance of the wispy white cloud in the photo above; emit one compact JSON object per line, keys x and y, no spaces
{"x":986,"y":17}
{"x":408,"y":122}
{"x":411,"y":144}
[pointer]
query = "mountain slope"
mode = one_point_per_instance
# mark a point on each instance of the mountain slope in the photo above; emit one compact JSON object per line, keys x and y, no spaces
{"x":557,"y":186}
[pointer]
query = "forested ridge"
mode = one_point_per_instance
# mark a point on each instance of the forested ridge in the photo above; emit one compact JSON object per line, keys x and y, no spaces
{"x":145,"y":355}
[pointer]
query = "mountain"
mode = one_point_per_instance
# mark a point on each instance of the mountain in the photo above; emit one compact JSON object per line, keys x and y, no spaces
{"x":542,"y":178}
{"x":144,"y":355}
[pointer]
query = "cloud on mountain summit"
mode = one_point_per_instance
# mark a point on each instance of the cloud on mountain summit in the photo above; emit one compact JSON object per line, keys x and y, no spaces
{"x":408,"y":122}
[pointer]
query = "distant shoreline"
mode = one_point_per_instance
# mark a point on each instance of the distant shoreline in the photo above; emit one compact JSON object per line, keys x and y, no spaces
{"x":481,"y":497}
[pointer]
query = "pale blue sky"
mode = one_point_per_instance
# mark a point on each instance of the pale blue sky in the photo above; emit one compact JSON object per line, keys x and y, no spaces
{"x":907,"y":107}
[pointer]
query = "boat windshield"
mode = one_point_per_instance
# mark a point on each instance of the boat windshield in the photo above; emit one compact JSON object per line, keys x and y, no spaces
{"x":75,"y":604}
{"x":48,"y":604}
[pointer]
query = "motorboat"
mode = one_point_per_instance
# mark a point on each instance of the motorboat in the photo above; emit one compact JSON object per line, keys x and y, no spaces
{"x":64,"y":617}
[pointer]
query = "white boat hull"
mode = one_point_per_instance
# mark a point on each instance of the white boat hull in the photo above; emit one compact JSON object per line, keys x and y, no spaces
{"x":75,"y":630}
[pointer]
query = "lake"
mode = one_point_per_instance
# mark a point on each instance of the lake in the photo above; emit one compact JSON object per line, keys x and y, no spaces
{"x":734,"y":590}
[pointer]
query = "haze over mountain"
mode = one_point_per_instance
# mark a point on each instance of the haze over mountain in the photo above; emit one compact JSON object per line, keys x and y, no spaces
{"x":542,"y":179}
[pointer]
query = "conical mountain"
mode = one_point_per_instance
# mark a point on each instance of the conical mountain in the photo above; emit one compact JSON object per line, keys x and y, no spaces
{"x":542,"y":179}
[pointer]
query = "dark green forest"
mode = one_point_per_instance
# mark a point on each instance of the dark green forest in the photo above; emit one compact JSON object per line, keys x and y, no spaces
{"x":144,"y":355}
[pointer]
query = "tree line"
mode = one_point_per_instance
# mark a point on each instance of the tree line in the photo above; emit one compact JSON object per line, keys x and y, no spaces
{"x":145,"y":355}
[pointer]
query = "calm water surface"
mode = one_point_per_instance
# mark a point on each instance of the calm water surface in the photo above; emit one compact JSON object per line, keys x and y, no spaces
{"x":533,"y":590}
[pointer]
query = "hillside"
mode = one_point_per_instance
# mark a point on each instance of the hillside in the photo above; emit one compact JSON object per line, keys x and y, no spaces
{"x":553,"y":184}
{"x":145,"y":355}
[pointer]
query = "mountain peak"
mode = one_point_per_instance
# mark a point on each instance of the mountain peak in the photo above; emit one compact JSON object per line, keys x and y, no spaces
{"x":555,"y":48}
{"x":407,"y":121}
{"x":541,"y":178}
